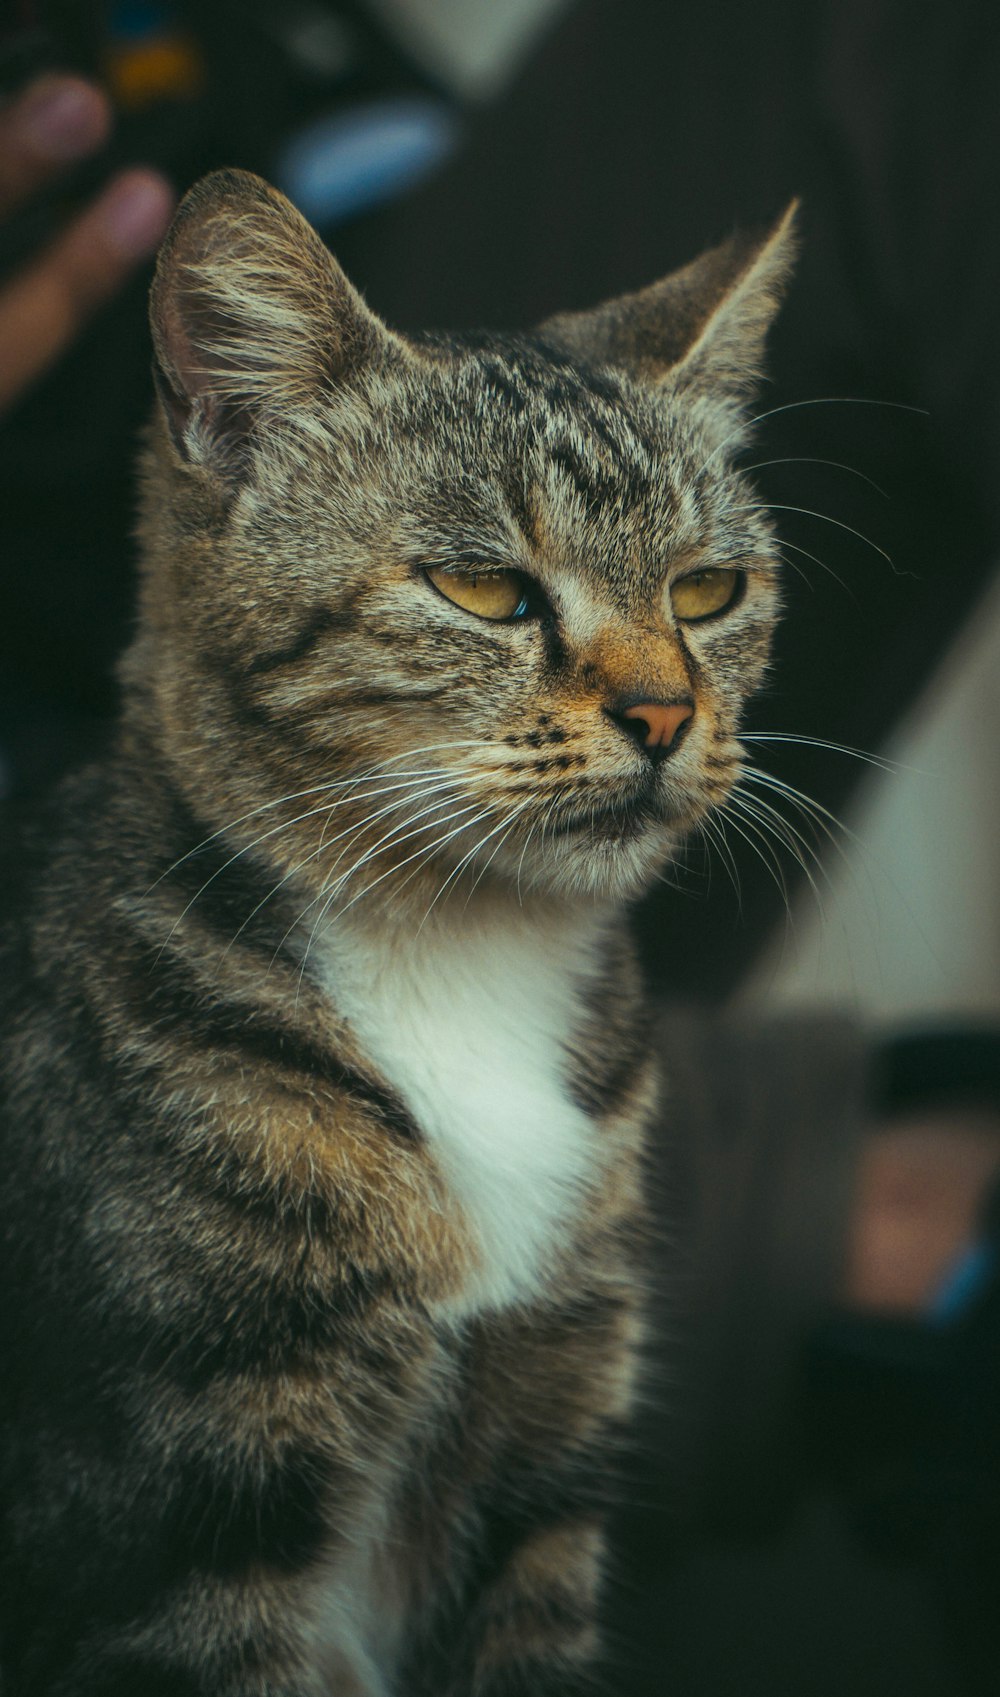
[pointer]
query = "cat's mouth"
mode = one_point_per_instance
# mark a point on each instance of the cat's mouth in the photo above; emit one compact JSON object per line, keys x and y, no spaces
{"x":607,"y":821}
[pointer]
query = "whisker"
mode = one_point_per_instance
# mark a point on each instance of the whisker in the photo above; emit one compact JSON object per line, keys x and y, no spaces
{"x":354,"y":830}
{"x":283,"y":825}
{"x":492,"y":856}
{"x":803,"y":851}
{"x":404,"y":784}
{"x":834,"y":829}
{"x":457,"y":870}
{"x":822,"y":815}
{"x":796,"y":548}
{"x":350,"y":831}
{"x":427,"y":852}
{"x":375,"y":769}
{"x":543,"y":820}
{"x":231,"y":825}
{"x":798,"y":845}
{"x":771,"y":820}
{"x":393,"y":839}
{"x":823,"y":820}
{"x":813,"y":459}
{"x":816,"y":401}
{"x":810,"y":512}
{"x":755,"y":842}
{"x":420,"y":862}
{"x":820,"y":818}
{"x":712,"y":826}
{"x":446,"y":797}
{"x":369,"y":853}
{"x":879,"y":760}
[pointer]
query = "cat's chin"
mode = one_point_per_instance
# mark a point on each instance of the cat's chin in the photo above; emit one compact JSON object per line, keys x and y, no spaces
{"x":613,"y":864}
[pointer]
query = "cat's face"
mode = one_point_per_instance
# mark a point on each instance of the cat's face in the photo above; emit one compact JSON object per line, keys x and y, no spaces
{"x":483,"y":609}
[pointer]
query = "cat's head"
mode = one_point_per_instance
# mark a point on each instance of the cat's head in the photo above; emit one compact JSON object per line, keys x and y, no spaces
{"x":469,"y":607}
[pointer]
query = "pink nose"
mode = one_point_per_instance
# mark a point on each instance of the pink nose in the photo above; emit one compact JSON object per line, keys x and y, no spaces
{"x":662,"y":720}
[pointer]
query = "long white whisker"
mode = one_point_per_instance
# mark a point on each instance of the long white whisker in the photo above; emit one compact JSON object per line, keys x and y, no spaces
{"x":393,"y":835}
{"x":790,"y":833}
{"x":352,"y":833}
{"x":810,"y":512}
{"x":799,"y":846}
{"x":459,"y":868}
{"x":492,"y":856}
{"x":772,"y":864}
{"x":796,"y":548}
{"x":817,"y":401}
{"x":878,"y":760}
{"x":802,"y":850}
{"x":373,"y":770}
{"x":812,"y":459}
{"x":834,"y":830}
{"x":798,"y":798}
{"x":391,"y":839}
{"x":324,"y":844}
{"x":819,"y":817}
{"x":427,"y":852}
{"x":283,"y":825}
{"x":712,"y":826}
{"x":354,"y":830}
{"x":417,"y":868}
{"x":543,"y":821}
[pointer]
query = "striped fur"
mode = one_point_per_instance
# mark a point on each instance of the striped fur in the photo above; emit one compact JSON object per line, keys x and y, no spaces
{"x":324,"y":1059}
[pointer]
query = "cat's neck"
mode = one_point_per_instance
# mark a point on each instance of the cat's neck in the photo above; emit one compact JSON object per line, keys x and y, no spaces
{"x":473,"y":1021}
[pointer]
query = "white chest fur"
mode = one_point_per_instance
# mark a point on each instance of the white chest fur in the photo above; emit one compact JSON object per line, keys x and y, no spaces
{"x":470,"y":1021}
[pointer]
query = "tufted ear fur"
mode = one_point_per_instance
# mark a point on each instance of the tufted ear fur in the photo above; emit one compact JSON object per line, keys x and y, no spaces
{"x":251,"y":318}
{"x":704,"y":325}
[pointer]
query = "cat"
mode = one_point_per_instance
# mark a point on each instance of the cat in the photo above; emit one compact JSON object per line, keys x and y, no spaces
{"x":326,"y":1062}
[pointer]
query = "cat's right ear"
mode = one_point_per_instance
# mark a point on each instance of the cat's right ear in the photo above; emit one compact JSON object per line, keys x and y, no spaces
{"x":252,"y":319}
{"x":702,"y":327}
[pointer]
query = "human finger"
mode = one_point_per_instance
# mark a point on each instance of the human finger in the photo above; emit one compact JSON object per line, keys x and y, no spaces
{"x":45,"y":306}
{"x":56,"y":120}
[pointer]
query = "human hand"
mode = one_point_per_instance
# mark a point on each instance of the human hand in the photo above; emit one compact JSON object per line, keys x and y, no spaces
{"x":922,"y":1182}
{"x":54,"y":122}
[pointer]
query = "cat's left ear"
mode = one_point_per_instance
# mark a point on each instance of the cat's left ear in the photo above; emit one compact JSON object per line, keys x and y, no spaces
{"x":252,"y":319}
{"x":703,"y":326}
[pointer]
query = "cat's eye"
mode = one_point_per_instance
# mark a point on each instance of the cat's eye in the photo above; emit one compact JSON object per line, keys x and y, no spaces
{"x":697,"y":595}
{"x":489,"y":594}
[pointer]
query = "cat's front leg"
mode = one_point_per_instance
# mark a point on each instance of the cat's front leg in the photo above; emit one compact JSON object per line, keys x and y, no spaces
{"x":241,"y":1637}
{"x":265,"y":1630}
{"x":533,"y":1631}
{"x":221,"y":1541}
{"x":526,"y":1485}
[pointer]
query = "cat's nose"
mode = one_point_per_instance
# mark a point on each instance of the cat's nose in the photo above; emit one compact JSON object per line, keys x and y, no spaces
{"x":657,"y":726}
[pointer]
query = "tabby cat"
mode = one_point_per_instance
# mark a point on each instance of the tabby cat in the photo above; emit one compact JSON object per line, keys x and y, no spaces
{"x":325,"y":1060}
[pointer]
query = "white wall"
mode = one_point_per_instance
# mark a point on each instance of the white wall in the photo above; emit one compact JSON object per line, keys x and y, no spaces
{"x":911,"y":921}
{"x":473,"y":45}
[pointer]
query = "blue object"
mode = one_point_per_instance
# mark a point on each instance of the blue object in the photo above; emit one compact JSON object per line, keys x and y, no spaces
{"x":348,"y":161}
{"x":134,"y":20}
{"x":969,"y":1275}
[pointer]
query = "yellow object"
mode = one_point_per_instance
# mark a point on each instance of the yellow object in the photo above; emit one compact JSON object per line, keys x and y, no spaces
{"x":169,"y":67}
{"x":490,"y":594}
{"x":699,"y":594}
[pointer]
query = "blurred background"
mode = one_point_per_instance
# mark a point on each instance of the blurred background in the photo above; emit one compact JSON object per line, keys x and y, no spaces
{"x":487,"y":162}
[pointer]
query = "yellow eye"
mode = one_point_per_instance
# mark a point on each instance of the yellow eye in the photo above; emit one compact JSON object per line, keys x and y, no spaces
{"x":489,"y":594}
{"x":698,"y":595}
